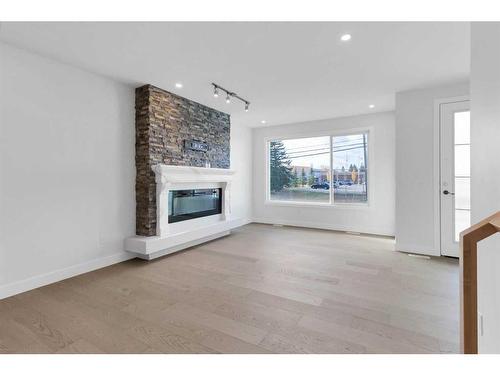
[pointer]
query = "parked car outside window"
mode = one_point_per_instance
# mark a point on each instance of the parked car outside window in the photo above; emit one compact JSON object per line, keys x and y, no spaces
{"x":324,"y":186}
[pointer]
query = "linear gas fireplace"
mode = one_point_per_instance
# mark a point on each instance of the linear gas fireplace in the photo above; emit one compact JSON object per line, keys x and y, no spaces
{"x":193,"y":203}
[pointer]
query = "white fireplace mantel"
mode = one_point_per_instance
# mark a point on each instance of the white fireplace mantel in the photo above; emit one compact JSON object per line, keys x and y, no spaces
{"x":170,"y":177}
{"x":178,"y":174}
{"x":171,"y":237}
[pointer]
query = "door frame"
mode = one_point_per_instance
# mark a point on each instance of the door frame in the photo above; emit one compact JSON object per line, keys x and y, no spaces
{"x":437,"y":165}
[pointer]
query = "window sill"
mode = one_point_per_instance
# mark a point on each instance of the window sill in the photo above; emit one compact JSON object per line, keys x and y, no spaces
{"x":358,"y":206}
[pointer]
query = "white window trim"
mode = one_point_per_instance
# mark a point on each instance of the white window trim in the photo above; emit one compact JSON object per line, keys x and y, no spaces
{"x":330,"y":133}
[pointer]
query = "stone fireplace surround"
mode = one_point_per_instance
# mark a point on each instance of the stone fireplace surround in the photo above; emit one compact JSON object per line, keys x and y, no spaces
{"x":173,"y":237}
{"x":164,"y":123}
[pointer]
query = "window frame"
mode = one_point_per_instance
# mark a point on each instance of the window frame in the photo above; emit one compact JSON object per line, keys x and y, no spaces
{"x":331,"y":133}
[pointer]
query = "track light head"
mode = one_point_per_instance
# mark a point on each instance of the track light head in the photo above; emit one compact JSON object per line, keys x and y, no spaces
{"x":229,"y":95}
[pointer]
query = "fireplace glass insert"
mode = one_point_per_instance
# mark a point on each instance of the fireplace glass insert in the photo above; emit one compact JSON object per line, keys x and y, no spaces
{"x":193,"y":203}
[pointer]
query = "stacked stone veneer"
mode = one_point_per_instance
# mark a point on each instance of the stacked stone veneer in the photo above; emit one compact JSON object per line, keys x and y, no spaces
{"x":163,"y":121}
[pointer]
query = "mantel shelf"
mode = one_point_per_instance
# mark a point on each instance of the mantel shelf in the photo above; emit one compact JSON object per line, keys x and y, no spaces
{"x":173,"y":169}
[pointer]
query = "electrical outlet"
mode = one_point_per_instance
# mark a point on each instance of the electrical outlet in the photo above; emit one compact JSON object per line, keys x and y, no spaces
{"x":480,"y":320}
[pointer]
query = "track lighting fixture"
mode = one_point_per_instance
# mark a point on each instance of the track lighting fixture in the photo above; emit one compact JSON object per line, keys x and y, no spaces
{"x":229,"y":95}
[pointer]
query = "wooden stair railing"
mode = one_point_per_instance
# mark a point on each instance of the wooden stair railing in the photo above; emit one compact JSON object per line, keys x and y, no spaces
{"x":468,"y":279}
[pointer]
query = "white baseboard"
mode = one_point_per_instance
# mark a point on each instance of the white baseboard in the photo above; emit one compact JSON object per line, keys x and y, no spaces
{"x":38,"y":281}
{"x":417,"y":249}
{"x":316,"y":225}
{"x":21,"y":286}
{"x":240,"y":222}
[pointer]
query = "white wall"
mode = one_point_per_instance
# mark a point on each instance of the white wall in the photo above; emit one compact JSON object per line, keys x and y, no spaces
{"x":377,"y":218}
{"x":485,"y":169}
{"x":241,"y":162}
{"x":67,"y":170}
{"x":417,"y":179}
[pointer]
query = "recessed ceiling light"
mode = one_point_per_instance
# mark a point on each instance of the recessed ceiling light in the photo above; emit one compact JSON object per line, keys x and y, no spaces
{"x":345,"y":37}
{"x":371,"y":106}
{"x":263,"y":121}
{"x":178,"y":85}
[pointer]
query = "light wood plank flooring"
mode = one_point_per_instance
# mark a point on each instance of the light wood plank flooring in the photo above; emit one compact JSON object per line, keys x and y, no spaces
{"x":263,"y":289}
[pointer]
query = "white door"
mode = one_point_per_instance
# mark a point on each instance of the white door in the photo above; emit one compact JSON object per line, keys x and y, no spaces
{"x":455,"y":174}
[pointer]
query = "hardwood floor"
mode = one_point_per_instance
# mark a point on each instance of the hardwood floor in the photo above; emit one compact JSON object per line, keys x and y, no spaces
{"x":263,"y":289}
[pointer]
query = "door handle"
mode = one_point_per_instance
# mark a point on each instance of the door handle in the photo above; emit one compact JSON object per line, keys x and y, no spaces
{"x":446,"y":192}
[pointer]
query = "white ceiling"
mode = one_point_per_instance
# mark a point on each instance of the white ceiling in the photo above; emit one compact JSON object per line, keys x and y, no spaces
{"x":290,"y":72}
